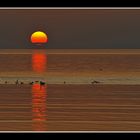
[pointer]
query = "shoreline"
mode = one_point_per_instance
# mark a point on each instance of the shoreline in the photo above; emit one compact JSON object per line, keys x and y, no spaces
{"x":72,"y":80}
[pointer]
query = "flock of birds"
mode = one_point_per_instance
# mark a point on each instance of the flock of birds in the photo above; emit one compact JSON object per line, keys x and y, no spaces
{"x":31,"y":83}
{"x":43,"y":83}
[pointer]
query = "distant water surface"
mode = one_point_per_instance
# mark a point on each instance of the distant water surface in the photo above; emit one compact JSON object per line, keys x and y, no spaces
{"x":97,"y":63}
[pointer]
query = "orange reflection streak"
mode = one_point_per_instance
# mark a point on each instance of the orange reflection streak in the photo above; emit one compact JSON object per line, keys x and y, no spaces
{"x":39,"y":93}
{"x":39,"y":62}
{"x":39,"y":96}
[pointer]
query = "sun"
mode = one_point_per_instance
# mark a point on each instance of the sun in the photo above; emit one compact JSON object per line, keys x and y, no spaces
{"x":39,"y":37}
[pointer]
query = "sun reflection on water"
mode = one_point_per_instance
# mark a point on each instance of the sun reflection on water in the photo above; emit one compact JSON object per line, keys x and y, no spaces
{"x":39,"y":109}
{"x":39,"y":62}
{"x":39,"y":93}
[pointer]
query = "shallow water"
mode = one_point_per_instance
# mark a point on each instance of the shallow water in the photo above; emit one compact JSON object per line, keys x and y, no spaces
{"x":70,"y":63}
{"x":80,"y":68}
{"x":69,"y":107}
{"x":113,"y":104}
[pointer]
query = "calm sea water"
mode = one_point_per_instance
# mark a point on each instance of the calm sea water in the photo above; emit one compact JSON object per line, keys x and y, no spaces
{"x":73,"y":68}
{"x":68,"y":107}
{"x":70,"y":63}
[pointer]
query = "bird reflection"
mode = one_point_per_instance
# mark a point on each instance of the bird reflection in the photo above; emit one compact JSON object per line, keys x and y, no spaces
{"x":39,"y":93}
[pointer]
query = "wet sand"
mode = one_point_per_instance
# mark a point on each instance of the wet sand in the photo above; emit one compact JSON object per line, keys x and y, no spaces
{"x":70,"y":108}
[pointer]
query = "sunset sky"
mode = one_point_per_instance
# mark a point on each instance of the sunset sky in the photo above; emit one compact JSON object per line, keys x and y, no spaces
{"x":92,"y":28}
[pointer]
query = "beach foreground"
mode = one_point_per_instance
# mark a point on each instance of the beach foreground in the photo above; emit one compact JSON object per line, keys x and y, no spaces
{"x":69,"y":107}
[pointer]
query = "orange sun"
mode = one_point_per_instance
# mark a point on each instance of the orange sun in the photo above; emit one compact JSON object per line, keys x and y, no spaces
{"x":39,"y":37}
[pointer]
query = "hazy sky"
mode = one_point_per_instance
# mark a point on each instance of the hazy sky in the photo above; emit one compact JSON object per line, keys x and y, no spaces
{"x":71,"y":28}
